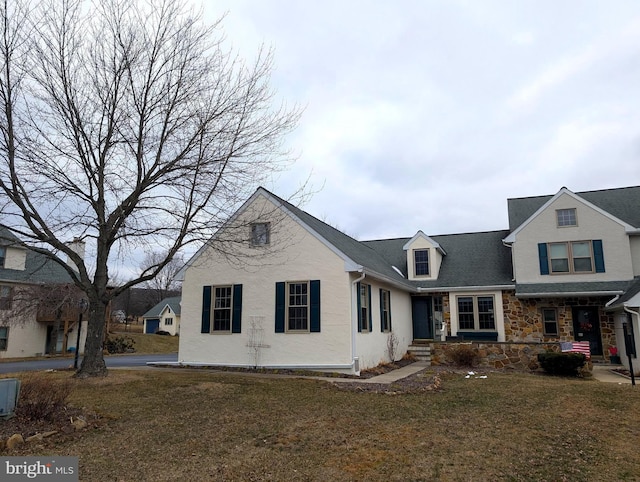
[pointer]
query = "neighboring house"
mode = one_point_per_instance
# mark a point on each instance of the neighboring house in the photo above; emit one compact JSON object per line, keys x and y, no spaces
{"x":27,"y":281}
{"x":284,"y":289}
{"x":165,"y":316}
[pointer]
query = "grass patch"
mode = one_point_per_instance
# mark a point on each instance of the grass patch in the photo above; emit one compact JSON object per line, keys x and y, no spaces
{"x":198,"y":425}
{"x":146,"y":343}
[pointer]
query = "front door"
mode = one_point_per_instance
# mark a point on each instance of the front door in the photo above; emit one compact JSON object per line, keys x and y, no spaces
{"x":422,"y":318}
{"x":586,"y":327}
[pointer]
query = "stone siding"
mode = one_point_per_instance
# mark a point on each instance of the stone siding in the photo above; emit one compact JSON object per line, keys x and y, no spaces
{"x":523,"y":319}
{"x":499,"y":355}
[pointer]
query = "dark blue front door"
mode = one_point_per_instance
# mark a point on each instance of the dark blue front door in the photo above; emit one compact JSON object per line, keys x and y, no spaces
{"x":422,"y":318}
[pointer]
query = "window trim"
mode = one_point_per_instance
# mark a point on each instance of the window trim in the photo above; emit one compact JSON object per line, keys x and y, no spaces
{"x":256,"y":237}
{"x":571,"y":259}
{"x":229,"y":308}
{"x":364,"y":312}
{"x":4,"y":341}
{"x":168,"y":322}
{"x":561,"y":222}
{"x":6,"y":303}
{"x":288,"y":305}
{"x":427,"y":262}
{"x":385,"y":310}
{"x":544,"y":321}
{"x":476,"y":312}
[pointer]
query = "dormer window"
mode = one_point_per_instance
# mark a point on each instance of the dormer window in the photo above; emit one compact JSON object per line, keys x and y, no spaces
{"x":260,"y":234}
{"x":566,"y":217}
{"x":421,"y":262}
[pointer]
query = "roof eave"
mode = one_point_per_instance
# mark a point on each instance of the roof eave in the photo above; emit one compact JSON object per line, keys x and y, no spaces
{"x":564,"y":294}
{"x":421,"y":289}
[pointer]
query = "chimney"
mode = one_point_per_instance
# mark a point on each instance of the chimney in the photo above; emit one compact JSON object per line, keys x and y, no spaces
{"x":78,"y":247}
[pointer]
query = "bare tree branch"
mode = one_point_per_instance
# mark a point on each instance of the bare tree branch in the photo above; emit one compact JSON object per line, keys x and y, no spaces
{"x":127,"y":124}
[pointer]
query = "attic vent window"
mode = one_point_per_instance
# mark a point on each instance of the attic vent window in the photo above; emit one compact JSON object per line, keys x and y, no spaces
{"x":566,"y":217}
{"x":260,"y":234}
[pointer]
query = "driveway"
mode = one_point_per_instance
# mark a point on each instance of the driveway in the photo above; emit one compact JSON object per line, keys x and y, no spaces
{"x":115,"y":361}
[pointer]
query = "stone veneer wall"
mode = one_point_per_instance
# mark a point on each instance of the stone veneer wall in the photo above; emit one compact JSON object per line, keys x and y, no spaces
{"x":518,"y":356}
{"x":523,"y":319}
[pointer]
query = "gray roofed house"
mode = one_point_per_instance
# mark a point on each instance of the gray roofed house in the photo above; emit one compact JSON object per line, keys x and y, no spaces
{"x":31,"y":322}
{"x":566,"y":268}
{"x":164,"y":317}
{"x":620,"y":202}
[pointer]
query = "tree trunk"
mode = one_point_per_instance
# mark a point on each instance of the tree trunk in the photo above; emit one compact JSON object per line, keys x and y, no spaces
{"x":93,"y":364}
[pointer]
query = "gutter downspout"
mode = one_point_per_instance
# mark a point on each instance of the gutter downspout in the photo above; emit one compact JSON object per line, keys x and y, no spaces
{"x":354,"y":319}
{"x":609,"y":303}
{"x":513,"y":264}
{"x":631,"y":312}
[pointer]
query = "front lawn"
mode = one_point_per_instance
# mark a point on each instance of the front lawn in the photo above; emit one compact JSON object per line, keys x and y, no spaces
{"x":198,"y":425}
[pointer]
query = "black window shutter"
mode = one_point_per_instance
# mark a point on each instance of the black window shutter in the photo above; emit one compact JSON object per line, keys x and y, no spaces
{"x":206,"y":310}
{"x":598,"y":255}
{"x":236,"y":320}
{"x":389,"y":310}
{"x":359,"y":306}
{"x":544,"y":258}
{"x":315,"y":306}
{"x":369,"y":310}
{"x":381,"y":291}
{"x":280,"y":306}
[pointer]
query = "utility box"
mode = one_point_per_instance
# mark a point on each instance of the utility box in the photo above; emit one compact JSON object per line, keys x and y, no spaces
{"x":9,"y":393}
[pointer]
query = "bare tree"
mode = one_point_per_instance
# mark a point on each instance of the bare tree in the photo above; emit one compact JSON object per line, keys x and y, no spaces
{"x":165,"y":281}
{"x":126,"y":124}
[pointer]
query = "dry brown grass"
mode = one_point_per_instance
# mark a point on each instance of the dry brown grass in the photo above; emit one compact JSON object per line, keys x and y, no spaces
{"x":144,"y":343}
{"x":199,"y":425}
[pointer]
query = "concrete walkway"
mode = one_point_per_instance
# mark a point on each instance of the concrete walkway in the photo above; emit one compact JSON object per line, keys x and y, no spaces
{"x":603,"y":373}
{"x":385,"y":378}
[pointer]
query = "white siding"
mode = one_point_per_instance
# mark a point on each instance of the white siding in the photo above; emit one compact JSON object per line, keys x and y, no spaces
{"x":635,"y":254}
{"x":435,"y":259}
{"x":371,"y":348}
{"x":26,"y":338}
{"x":591,"y":225}
{"x":174,"y":328}
{"x":293,"y":255}
{"x":15,"y":258}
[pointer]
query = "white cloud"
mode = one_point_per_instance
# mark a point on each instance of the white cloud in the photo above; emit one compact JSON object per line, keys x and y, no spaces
{"x":429,"y":115}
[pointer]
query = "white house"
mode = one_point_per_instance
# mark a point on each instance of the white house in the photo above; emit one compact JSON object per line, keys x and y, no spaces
{"x":26,"y":326}
{"x":277,"y":287}
{"x":165,"y":316}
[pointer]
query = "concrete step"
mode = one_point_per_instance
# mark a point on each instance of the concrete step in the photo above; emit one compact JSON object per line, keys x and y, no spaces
{"x":421,"y":352}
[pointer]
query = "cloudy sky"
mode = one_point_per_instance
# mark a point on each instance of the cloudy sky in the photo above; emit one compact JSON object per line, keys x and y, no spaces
{"x":430,"y":114}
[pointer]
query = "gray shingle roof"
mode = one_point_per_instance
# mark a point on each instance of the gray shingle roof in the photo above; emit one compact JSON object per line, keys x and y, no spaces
{"x":623,"y":203}
{"x":632,"y":290}
{"x":357,"y":251}
{"x":38,"y":267}
{"x":473,"y":259}
{"x":173,"y":302}
{"x":586,"y":287}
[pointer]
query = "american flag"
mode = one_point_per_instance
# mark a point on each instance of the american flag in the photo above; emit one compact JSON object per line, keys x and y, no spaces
{"x":577,"y":346}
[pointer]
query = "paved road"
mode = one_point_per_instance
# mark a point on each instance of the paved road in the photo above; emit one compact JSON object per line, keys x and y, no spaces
{"x":118,"y":361}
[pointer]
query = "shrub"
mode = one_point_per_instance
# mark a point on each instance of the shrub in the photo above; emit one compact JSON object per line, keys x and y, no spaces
{"x":119,"y":344}
{"x":562,"y":363}
{"x":463,"y":355}
{"x":41,"y":398}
